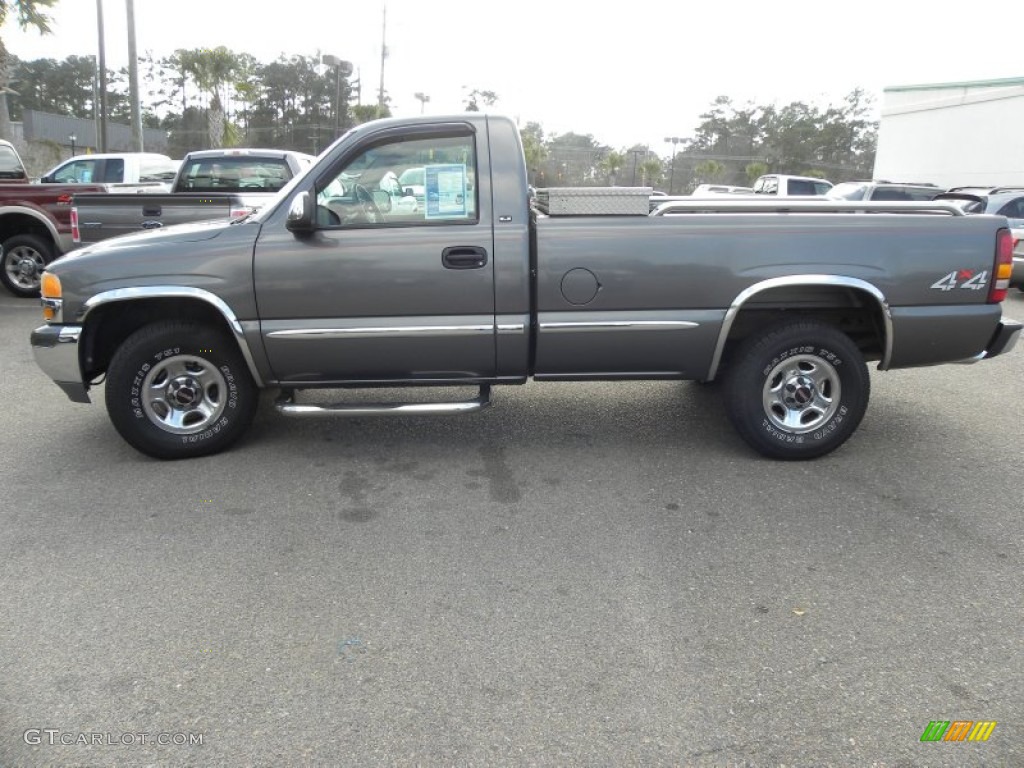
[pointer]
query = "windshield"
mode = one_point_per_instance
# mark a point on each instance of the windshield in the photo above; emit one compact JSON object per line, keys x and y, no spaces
{"x":10,"y":164}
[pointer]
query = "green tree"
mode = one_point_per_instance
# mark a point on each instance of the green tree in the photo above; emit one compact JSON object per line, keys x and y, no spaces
{"x":533,"y":149}
{"x":28,"y":13}
{"x":611,"y":164}
{"x":212,"y":69}
{"x":709,"y":171}
{"x":476,"y":96}
{"x":754,"y":171}
{"x":651,"y":172}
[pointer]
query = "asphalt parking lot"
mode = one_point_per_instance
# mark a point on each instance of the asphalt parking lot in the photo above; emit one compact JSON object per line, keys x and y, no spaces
{"x":598,"y":574}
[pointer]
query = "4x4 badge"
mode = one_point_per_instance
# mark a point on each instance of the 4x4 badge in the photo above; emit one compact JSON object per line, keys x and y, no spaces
{"x":971,"y":281}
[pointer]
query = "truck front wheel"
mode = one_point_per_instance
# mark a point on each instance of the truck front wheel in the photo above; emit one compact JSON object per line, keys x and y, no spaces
{"x":178,"y":390}
{"x":798,"y":390}
{"x":24,"y":259}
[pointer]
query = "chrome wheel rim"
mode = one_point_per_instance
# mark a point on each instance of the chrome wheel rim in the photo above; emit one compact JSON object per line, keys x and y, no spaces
{"x":184,"y":394}
{"x":23,"y":266}
{"x":801,"y":394}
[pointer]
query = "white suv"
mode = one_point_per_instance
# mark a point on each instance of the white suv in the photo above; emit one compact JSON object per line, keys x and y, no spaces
{"x":791,"y":186}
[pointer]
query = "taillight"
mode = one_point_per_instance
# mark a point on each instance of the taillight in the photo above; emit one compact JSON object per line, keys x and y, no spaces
{"x":1003,"y":267}
{"x":76,"y":234}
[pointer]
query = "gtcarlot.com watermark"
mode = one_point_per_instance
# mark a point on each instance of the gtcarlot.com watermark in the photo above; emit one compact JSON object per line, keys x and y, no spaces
{"x":55,"y":737}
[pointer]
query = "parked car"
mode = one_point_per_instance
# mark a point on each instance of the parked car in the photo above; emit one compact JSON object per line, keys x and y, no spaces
{"x":883,"y":190}
{"x":35,"y":223}
{"x":143,"y":170}
{"x":1002,"y":201}
{"x":791,"y":186}
{"x":720,"y":189}
{"x":210,"y":184}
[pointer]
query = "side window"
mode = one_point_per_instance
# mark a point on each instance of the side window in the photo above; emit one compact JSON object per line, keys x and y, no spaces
{"x":1013,"y":209}
{"x":821,"y":188}
{"x":799,"y":187}
{"x":403,"y":182}
{"x":113,"y":171}
{"x":78,"y":172}
{"x":771,"y":186}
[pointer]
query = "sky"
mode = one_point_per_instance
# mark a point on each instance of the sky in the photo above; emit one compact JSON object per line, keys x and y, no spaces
{"x":625,"y":72}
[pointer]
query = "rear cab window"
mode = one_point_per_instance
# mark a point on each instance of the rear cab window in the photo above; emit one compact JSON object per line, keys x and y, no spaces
{"x":235,"y":174}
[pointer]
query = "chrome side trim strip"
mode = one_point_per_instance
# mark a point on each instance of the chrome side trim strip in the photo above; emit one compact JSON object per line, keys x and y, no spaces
{"x":794,"y":281}
{"x":355,"y":332}
{"x":177,"y":292}
{"x":511,"y":327}
{"x":591,"y":325}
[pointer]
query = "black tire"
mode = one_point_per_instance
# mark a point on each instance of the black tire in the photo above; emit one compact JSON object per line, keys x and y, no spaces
{"x":22,"y":264}
{"x":178,"y":390}
{"x":798,"y":390}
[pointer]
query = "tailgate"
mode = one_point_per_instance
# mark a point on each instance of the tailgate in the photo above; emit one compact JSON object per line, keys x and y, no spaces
{"x":104,"y":216}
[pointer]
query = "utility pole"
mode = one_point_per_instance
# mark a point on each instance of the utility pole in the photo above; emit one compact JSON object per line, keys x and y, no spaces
{"x":102,"y":64}
{"x":133,"y":79}
{"x":383,"y":55}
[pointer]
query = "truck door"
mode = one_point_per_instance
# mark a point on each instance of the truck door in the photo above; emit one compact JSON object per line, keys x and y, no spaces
{"x":396,"y":283}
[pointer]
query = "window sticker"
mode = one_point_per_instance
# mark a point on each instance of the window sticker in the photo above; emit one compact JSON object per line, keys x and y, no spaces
{"x":446,"y":191}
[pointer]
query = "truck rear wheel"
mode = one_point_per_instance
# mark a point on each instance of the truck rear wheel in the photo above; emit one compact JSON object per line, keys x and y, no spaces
{"x":798,"y":390}
{"x":178,"y":390}
{"x":24,"y":259}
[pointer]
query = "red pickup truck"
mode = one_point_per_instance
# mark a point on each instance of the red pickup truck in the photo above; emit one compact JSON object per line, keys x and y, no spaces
{"x":35,"y":223}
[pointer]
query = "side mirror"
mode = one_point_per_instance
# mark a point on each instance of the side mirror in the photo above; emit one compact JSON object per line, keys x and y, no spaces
{"x":300,"y":215}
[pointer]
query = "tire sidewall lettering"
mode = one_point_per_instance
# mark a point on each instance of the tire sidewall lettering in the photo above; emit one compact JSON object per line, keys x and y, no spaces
{"x":822,"y":433}
{"x":135,"y":402}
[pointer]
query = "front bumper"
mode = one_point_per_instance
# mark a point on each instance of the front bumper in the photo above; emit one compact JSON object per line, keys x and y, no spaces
{"x":55,"y":348}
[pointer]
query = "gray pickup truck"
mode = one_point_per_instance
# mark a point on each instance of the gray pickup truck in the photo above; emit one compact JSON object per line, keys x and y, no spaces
{"x":345,"y":282}
{"x":210,"y":184}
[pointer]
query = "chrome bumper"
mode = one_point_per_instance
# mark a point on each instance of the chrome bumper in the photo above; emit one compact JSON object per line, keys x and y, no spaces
{"x":55,"y":348}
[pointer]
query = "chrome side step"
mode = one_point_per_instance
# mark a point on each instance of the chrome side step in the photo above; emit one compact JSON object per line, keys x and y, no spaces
{"x":286,"y":404}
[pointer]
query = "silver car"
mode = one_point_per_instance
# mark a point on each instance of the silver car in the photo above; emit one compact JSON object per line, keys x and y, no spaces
{"x":1003,"y":201}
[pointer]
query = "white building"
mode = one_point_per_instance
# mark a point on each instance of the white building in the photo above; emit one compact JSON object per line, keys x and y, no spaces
{"x":953,"y":134}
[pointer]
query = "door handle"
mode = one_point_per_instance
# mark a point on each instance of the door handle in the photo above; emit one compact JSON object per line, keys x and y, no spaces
{"x":464,"y":257}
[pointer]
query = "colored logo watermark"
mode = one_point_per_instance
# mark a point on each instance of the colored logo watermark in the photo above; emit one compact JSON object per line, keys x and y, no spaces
{"x":958,"y":730}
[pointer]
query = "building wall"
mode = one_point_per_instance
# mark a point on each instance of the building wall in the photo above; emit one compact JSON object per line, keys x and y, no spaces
{"x":953,"y":135}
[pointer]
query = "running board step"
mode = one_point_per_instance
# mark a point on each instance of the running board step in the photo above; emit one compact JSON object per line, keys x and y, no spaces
{"x":286,"y":404}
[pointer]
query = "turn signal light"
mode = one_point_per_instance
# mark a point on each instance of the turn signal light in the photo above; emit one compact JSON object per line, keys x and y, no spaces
{"x":1002,"y":268}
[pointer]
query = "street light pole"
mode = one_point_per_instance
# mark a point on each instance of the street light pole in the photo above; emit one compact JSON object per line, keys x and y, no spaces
{"x":342,"y":68}
{"x":72,"y":138}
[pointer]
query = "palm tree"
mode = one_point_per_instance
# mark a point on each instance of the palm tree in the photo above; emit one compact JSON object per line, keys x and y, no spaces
{"x":709,"y":171}
{"x":29,"y":14}
{"x":213,"y":69}
{"x":612,"y":164}
{"x":650,"y":172}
